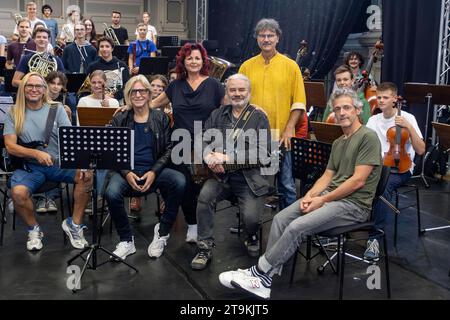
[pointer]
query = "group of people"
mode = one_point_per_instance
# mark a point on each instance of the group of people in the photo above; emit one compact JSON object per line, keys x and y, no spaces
{"x":267,"y":94}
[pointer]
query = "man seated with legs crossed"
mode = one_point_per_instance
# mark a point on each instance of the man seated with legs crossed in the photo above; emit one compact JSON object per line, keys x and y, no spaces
{"x":342,"y":196}
{"x":381,"y":123}
{"x":241,"y":124}
{"x":152,"y":151}
{"x":26,"y":122}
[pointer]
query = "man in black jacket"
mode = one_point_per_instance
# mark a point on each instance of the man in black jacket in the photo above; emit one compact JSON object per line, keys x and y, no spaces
{"x":243,"y":142}
{"x":152,"y":149}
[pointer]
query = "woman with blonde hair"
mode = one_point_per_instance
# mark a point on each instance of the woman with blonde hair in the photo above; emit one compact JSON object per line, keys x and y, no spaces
{"x":98,"y":97}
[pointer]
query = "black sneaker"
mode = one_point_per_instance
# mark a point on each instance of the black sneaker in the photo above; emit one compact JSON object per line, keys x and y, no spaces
{"x":201,"y":260}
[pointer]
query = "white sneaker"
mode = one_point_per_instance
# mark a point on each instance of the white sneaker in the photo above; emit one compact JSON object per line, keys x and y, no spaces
{"x":124,"y":249}
{"x":226,"y":277}
{"x":250,"y":284}
{"x":75,"y":234}
{"x":156,"y":248}
{"x":191,"y":235}
{"x":35,"y":236}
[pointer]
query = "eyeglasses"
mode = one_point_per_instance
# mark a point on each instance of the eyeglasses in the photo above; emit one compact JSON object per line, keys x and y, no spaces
{"x":34,"y":86}
{"x":142,"y":92}
{"x":268,"y":36}
{"x":345,"y":107}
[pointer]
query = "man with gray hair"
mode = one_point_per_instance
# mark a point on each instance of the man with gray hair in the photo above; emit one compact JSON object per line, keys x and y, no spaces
{"x":278,"y":89}
{"x":241,"y":136}
{"x":341,"y":197}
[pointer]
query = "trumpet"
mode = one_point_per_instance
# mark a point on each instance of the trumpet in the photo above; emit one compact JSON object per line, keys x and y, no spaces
{"x":109,"y":32}
{"x":69,"y":35}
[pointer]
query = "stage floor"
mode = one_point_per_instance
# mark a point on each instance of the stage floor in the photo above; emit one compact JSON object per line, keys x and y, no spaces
{"x":419,"y":266}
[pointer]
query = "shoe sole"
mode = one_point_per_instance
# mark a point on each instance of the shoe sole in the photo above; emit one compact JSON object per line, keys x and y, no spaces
{"x":236,"y":285}
{"x":118,"y":260}
{"x":41,"y":210}
{"x":202,"y":267}
{"x":35,"y":249}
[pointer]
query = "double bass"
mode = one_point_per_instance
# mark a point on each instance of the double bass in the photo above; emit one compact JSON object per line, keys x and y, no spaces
{"x":366,"y":85}
{"x":397,"y":158}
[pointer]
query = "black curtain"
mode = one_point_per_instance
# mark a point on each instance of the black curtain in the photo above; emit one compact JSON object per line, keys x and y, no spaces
{"x":324,"y":24}
{"x":411,"y":43}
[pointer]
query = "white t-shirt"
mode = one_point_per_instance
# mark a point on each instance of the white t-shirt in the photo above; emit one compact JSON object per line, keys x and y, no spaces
{"x":381,"y":125}
{"x":90,"y":101}
{"x":151,"y":31}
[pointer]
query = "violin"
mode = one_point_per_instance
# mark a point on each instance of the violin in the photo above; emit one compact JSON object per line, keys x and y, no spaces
{"x":397,"y":158}
{"x":366,"y":85}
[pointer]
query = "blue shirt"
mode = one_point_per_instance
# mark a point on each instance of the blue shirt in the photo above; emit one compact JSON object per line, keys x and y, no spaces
{"x":52,"y":25}
{"x":142,"y":49}
{"x":143,"y":147}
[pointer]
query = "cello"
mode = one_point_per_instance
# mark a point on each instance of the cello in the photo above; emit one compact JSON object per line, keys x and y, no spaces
{"x":397,"y":158}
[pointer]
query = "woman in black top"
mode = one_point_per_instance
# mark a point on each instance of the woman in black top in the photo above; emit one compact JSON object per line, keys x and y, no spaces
{"x":194,"y":95}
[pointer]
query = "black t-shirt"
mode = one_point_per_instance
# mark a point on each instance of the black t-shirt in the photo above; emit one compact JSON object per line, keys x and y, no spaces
{"x":121,"y":34}
{"x":189,"y":106}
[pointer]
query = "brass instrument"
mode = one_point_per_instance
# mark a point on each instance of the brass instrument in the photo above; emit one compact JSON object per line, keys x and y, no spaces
{"x":109,"y":32}
{"x":69,"y":35}
{"x":218,"y":67}
{"x":42,"y":63}
{"x":113,"y":83}
{"x":17,"y":17}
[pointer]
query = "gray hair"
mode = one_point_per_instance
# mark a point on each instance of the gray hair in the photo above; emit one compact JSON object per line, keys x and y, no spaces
{"x":239,"y":76}
{"x":339,"y":93}
{"x":267,"y":24}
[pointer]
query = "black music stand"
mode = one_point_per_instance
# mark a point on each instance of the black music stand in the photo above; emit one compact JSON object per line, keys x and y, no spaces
{"x":166,"y":41}
{"x":316,"y":98}
{"x":121,"y":52}
{"x":443,"y":133}
{"x":95,"y":148}
{"x":430,"y":94}
{"x":154,"y":65}
{"x":2,"y":66}
{"x":75,"y":81}
{"x":170,"y":52}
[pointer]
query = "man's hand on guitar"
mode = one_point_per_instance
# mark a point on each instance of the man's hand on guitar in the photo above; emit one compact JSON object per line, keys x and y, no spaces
{"x":43,"y":158}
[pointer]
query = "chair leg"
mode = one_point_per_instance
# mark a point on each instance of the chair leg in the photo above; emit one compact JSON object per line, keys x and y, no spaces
{"x":338,"y":264}
{"x":341,"y":269}
{"x":308,"y":248}
{"x":260,"y":239}
{"x":395,"y":219}
{"x":419,"y":225}
{"x":239,"y":221}
{"x":14,"y":220}
{"x":63,"y":216}
{"x":386,"y":262}
{"x":69,"y":203}
{"x":294,"y":264}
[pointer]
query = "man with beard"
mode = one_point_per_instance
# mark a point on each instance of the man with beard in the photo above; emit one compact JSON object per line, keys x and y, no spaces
{"x":239,"y":125}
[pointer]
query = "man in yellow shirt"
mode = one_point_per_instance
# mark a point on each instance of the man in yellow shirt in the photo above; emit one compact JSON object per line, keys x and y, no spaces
{"x":277,"y":87}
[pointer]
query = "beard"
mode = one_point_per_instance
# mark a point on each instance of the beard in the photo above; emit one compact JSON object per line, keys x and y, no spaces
{"x":240,"y":103}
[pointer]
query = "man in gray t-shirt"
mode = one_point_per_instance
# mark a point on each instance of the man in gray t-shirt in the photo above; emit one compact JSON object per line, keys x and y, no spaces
{"x":26,"y":123}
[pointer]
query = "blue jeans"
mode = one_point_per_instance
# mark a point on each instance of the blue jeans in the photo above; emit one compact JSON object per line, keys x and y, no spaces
{"x":286,"y":182}
{"x":214,"y":191}
{"x":171,"y":183}
{"x":381,"y":209}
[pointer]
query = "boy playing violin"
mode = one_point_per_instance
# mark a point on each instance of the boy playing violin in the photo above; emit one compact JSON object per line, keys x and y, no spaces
{"x":381,"y":123}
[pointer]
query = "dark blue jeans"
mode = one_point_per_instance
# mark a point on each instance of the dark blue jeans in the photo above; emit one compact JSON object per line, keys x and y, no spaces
{"x":171,"y":184}
{"x":214,"y":191}
{"x":286,"y":182}
{"x":381,"y":209}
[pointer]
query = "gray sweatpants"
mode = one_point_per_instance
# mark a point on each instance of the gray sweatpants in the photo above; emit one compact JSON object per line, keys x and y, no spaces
{"x":290,"y":227}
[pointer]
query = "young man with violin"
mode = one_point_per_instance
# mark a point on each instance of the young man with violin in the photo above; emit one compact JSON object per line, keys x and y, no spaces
{"x":385,"y":124}
{"x":345,"y":80}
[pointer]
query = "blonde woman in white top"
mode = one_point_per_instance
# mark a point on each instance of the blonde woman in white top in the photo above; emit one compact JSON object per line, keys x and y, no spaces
{"x":151,"y":30}
{"x":98,"y":98}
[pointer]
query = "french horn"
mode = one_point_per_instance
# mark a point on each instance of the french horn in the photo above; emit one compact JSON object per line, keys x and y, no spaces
{"x":42,"y":63}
